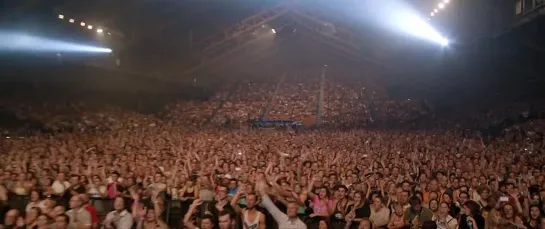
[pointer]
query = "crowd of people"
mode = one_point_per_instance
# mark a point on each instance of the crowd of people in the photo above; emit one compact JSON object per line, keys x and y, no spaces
{"x":148,"y":165}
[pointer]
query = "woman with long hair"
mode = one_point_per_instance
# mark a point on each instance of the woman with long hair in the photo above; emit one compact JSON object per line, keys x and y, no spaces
{"x":397,"y":221}
{"x":472,"y":218}
{"x":454,"y":211}
{"x":494,"y":220}
{"x":534,"y":218}
{"x":35,"y":200}
{"x":321,"y":202}
{"x":509,"y":214}
{"x":379,"y":213}
{"x":359,"y":210}
{"x":443,"y":219}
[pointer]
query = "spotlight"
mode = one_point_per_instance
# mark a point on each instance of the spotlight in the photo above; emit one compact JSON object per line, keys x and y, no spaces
{"x":61,"y":16}
{"x":21,"y":42}
{"x":441,"y":5}
{"x":90,"y":27}
{"x":82,"y":23}
{"x":100,"y":30}
{"x":432,"y":14}
{"x":447,"y":1}
{"x":274,"y":31}
{"x":71,"y":20}
{"x":435,"y":10}
{"x":444,"y":42}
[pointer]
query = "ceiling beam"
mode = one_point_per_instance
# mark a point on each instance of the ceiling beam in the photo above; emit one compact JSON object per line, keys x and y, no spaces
{"x":248,"y":24}
{"x":224,"y":54}
{"x":334,"y":41}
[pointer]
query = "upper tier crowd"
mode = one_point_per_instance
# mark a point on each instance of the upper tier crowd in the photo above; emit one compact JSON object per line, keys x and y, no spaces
{"x":240,"y":178}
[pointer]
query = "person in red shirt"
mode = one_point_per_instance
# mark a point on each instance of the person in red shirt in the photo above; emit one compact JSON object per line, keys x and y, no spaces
{"x":91,"y":209}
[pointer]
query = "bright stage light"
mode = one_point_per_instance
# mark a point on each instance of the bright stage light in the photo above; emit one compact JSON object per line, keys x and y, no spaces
{"x":441,"y":5}
{"x":414,"y":25}
{"x":398,"y":16}
{"x":61,"y":16}
{"x":20,"y":42}
{"x":435,"y":10}
{"x":447,"y":1}
{"x":71,"y":20}
{"x":82,"y":24}
{"x":100,"y":30}
{"x":90,"y":27}
{"x":274,"y":31}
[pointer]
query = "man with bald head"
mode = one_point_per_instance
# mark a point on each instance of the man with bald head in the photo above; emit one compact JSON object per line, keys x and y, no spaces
{"x":79,"y":217}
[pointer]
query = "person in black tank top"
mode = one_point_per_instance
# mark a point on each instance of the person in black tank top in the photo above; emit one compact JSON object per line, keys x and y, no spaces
{"x":337,"y":219}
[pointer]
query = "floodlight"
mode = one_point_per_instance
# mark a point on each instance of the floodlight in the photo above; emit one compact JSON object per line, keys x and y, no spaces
{"x":90,"y":27}
{"x":100,"y":30}
{"x":432,"y":14}
{"x":61,"y":16}
{"x":274,"y":31}
{"x":71,"y":20}
{"x":444,"y":42}
{"x":435,"y":10}
{"x":447,"y":1}
{"x":441,"y":5}
{"x":22,"y":42}
{"x":82,"y":23}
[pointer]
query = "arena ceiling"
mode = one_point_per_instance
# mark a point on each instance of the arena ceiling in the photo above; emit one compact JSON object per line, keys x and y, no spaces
{"x":181,"y":40}
{"x":187,"y":29}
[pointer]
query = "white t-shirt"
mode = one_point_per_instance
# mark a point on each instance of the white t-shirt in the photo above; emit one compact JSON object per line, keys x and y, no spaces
{"x":447,"y":223}
{"x":59,"y":187}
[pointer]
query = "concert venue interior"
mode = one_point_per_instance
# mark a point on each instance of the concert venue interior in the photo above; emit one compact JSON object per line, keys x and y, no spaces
{"x":272,"y":113}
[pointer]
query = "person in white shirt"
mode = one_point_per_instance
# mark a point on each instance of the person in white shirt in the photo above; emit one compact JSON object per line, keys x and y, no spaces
{"x":380,"y":215}
{"x":285,"y":221}
{"x":119,"y":218}
{"x":60,"y":184}
{"x":79,"y":217}
{"x":443,"y":219}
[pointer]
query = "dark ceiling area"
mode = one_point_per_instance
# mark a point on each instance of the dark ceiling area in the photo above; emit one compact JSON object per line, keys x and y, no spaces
{"x":205,"y":41}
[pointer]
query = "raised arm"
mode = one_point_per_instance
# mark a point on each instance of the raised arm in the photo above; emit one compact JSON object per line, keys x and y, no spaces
{"x":267,"y":203}
{"x":234,"y":201}
{"x":192,"y":209}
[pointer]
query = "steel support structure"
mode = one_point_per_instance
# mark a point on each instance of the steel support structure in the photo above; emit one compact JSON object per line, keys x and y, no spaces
{"x":248,"y":24}
{"x":239,"y":36}
{"x":345,"y":41}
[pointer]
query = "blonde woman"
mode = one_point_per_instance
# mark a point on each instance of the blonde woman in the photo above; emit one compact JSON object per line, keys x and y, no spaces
{"x":443,"y":219}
